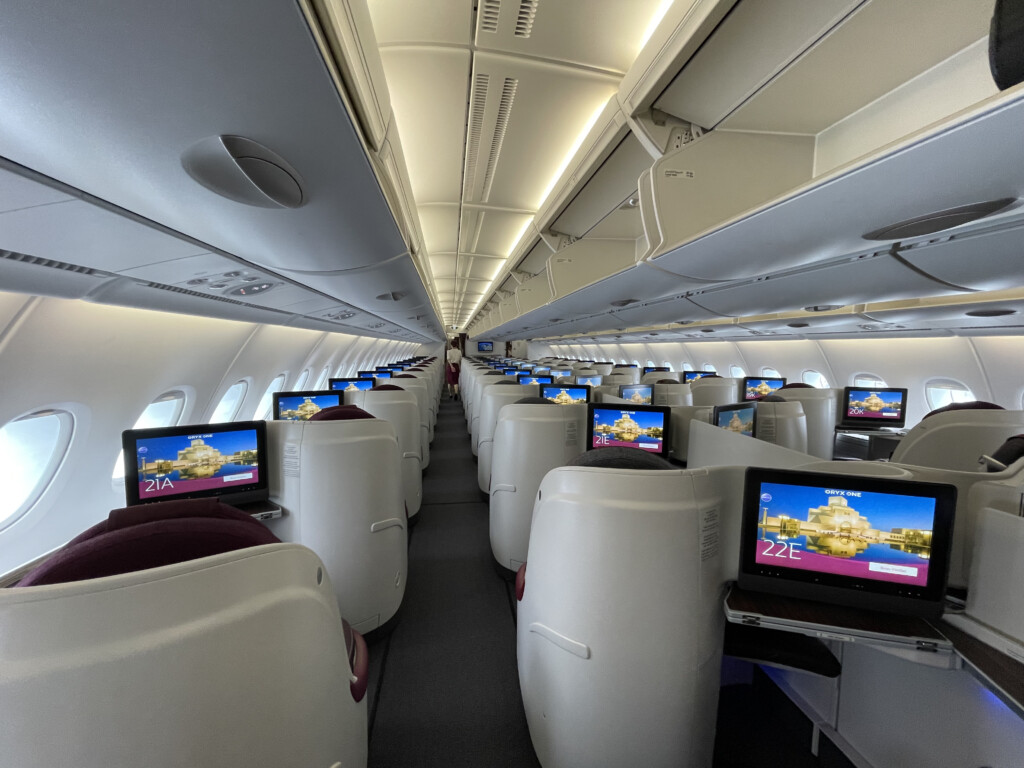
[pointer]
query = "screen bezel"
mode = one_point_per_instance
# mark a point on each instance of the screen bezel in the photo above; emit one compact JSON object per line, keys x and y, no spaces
{"x":863,"y":421}
{"x":836,"y":588}
{"x":366,"y":374}
{"x":654,"y":369}
{"x":348,"y":380}
{"x":748,"y":379}
{"x":624,"y":387}
{"x":745,"y":405}
{"x":278,"y":396}
{"x":552,"y":385}
{"x":662,"y":409}
{"x":520,"y":378}
{"x":598,"y":376}
{"x":485,"y":346}
{"x":237,"y":494}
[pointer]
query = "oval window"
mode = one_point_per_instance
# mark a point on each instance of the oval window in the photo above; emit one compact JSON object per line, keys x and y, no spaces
{"x":301,"y":382}
{"x":321,"y":381}
{"x":736,"y":372}
{"x":709,"y":368}
{"x":942,"y":392}
{"x":165,"y":411}
{"x":31,"y":451}
{"x":771,"y":373}
{"x":229,"y":404}
{"x":815,"y":379}
{"x":868,"y":381}
{"x":687,"y":366}
{"x":267,"y":401}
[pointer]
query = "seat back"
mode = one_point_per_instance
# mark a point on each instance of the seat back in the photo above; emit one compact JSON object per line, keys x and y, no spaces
{"x":620,"y":376}
{"x":529,"y":441}
{"x":401,"y":409}
{"x":603,"y":368}
{"x":418,"y":387}
{"x":659,"y":376}
{"x":711,"y":446}
{"x":671,"y":394}
{"x":606,"y":641}
{"x":494,"y":399}
{"x":715,"y":391}
{"x":956,"y":439}
{"x":821,"y":411}
{"x":782,"y":423}
{"x":337,"y":482}
{"x":237,"y":660}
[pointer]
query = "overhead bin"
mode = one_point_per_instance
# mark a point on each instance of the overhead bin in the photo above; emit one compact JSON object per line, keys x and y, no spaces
{"x":984,"y":261}
{"x":588,"y":261}
{"x":534,"y":293}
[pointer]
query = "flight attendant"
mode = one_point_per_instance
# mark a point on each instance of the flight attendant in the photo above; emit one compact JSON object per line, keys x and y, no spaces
{"x":452,"y":367}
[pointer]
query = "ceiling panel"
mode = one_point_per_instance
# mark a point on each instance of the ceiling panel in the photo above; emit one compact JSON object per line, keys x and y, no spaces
{"x":430,"y":83}
{"x":500,"y":232}
{"x":18,"y":192}
{"x":442,"y":266}
{"x":553,"y":30}
{"x":440,"y":226}
{"x":436,"y":22}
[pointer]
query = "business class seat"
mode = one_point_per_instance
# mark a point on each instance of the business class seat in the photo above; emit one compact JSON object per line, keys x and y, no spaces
{"x":654,"y":376}
{"x":419,"y":388}
{"x":530,"y":439}
{"x":336,"y":479}
{"x":621,"y":376}
{"x":619,"y":653}
{"x":602,"y":369}
{"x":781,"y":422}
{"x":477,"y":381}
{"x":237,"y":659}
{"x":957,"y":438}
{"x":821,"y":410}
{"x":495,"y":397}
{"x":670,"y":392}
{"x":714,"y":390}
{"x":478,"y":406}
{"x":393,"y":404}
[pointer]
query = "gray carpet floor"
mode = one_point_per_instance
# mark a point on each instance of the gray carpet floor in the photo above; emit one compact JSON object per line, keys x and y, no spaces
{"x":444,"y":690}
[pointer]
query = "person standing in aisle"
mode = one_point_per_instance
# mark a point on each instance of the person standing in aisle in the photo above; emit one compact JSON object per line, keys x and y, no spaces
{"x":453,"y":366}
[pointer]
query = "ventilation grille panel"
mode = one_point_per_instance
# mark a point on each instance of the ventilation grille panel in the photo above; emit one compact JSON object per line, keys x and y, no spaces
{"x":53,"y":264}
{"x":489,"y":11}
{"x":508,"y":96}
{"x":524,"y":21}
{"x":476,"y":126}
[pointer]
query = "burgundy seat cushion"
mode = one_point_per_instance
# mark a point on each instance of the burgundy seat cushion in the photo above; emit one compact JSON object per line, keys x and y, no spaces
{"x":972,"y":405}
{"x":386,"y":388}
{"x":148,"y":536}
{"x":797,"y":385}
{"x":1009,"y":452}
{"x":341,"y":413}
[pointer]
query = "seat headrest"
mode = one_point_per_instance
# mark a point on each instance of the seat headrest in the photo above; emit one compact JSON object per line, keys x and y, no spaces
{"x":667,"y":381}
{"x":534,"y":401}
{"x":620,"y":457}
{"x":341,"y":413}
{"x":385,"y":388}
{"x":149,"y":536}
{"x":971,"y":405}
{"x":494,"y":373}
{"x":404,"y":376}
{"x":1006,"y":43}
{"x":710,"y":376}
{"x":797,"y":385}
{"x":771,"y":399}
{"x":507,"y":381}
{"x":1009,"y":452}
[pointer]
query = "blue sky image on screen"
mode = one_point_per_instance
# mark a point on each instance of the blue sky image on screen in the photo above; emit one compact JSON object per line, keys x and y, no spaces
{"x":874,"y":404}
{"x":739,"y":420}
{"x":693,"y":375}
{"x":564,"y":395}
{"x":365,"y":374}
{"x":300,"y":408}
{"x":535,"y":380}
{"x":861,"y":534}
{"x":761,"y":387}
{"x":542,"y":369}
{"x":625,"y":427}
{"x":353,"y":385}
{"x":196,"y":462}
{"x":637,"y":393}
{"x":594,"y":381}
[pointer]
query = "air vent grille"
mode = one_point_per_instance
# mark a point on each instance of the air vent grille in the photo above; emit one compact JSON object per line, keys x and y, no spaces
{"x":489,"y":11}
{"x":508,"y":96}
{"x":209,"y":297}
{"x":527,"y":13}
{"x":53,"y":264}
{"x":476,"y":127}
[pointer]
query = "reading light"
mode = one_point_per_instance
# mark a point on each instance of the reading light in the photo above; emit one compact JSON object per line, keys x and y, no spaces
{"x":798,"y":325}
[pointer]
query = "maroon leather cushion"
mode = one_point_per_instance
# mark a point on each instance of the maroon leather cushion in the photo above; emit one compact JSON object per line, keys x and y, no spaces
{"x":340,"y":413}
{"x":386,"y":388}
{"x":797,"y":385}
{"x":973,"y":405}
{"x":149,"y":536}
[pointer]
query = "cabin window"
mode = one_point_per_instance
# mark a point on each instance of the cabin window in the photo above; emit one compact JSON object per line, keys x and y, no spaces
{"x":267,"y":401}
{"x":325,"y":374}
{"x":165,"y":411}
{"x":868,"y":381}
{"x":687,"y":366}
{"x":229,"y":404}
{"x":709,"y":368}
{"x":769,"y":372}
{"x":301,"y":382}
{"x":942,"y":392}
{"x":668,"y":365}
{"x":651,"y":363}
{"x":815,"y":379}
{"x":31,"y":451}
{"x":636,"y":363}
{"x":736,"y":372}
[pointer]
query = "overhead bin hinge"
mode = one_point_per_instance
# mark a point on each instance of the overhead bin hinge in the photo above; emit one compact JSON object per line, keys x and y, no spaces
{"x":661,"y":132}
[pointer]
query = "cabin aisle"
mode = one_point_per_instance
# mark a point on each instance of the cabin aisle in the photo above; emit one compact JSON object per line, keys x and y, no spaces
{"x":444,"y":688}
